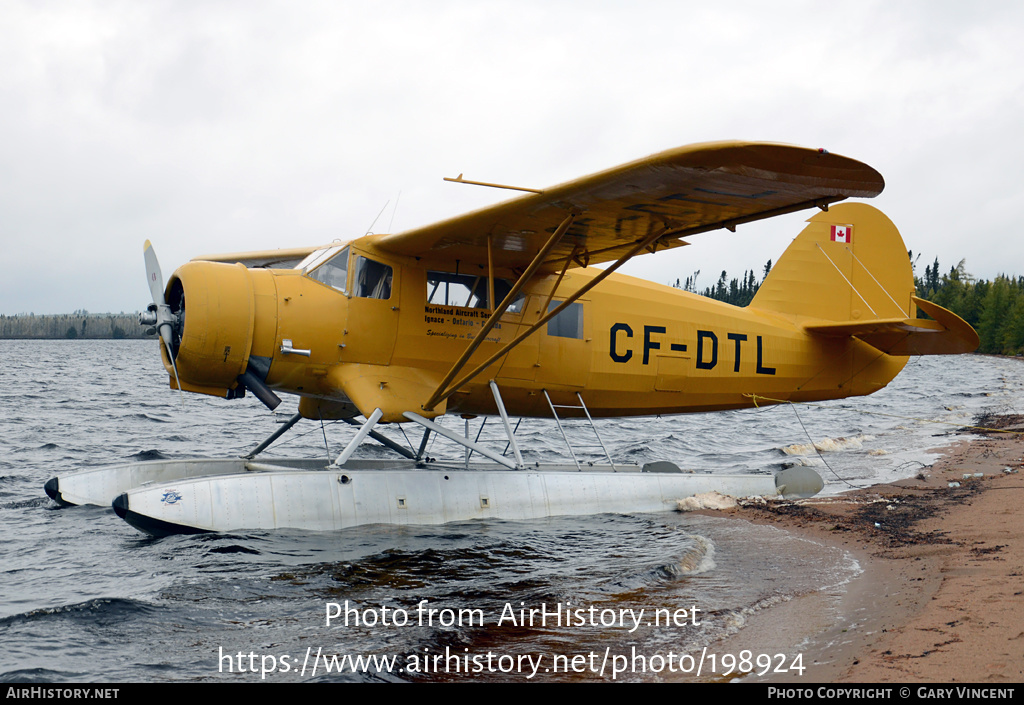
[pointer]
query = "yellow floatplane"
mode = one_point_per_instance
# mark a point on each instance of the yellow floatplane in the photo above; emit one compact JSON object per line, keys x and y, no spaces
{"x":501,"y":312}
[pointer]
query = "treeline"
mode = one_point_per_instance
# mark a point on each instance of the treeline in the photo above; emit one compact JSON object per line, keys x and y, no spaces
{"x":735,"y":291}
{"x":80,"y":324}
{"x":994,"y":308}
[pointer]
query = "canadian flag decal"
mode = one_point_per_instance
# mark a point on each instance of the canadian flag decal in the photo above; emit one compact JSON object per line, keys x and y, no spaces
{"x":842,"y":233}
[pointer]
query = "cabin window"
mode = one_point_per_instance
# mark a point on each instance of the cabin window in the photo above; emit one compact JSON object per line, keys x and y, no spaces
{"x":334,"y":271}
{"x":372,"y":280}
{"x":567,"y":324}
{"x":468,"y":291}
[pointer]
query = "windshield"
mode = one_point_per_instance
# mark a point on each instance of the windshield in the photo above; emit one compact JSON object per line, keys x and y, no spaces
{"x":329,"y":266}
{"x":316,"y":257}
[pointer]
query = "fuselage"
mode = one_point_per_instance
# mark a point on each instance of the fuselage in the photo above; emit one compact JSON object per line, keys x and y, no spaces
{"x":383,"y":330}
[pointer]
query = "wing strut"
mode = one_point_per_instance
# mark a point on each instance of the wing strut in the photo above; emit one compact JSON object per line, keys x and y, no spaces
{"x":568,"y":261}
{"x":438,"y":396}
{"x":496,"y":315}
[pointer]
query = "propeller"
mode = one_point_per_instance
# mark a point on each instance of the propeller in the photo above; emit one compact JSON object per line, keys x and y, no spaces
{"x":158,"y":313}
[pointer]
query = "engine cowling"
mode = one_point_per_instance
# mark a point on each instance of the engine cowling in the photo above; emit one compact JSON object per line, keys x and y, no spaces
{"x":214,"y":304}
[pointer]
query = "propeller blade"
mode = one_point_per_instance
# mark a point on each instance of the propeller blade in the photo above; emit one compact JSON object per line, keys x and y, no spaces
{"x":162,"y":317}
{"x":155,"y":279}
{"x":153,"y":275}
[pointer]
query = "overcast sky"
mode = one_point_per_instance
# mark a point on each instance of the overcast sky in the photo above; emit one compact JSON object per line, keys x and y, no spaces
{"x":224,"y":126}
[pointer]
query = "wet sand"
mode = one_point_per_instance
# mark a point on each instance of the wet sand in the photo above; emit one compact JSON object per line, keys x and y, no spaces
{"x":941,"y":599}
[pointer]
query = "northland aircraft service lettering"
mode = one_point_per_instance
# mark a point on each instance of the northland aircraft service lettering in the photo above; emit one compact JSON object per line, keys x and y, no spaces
{"x":501,"y":313}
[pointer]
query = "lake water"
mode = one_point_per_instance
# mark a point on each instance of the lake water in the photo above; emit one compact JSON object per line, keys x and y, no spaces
{"x":85,"y":597}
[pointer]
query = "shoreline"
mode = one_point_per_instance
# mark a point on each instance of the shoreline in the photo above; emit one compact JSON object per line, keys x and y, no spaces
{"x":941,"y":595}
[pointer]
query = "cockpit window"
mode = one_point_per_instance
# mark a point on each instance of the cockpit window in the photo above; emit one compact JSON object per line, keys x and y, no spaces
{"x":330,"y":267}
{"x":467,"y":291}
{"x":372,"y":280}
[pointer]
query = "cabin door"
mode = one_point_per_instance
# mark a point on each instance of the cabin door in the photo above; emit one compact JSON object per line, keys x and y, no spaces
{"x":565,"y":347}
{"x":372,"y":324}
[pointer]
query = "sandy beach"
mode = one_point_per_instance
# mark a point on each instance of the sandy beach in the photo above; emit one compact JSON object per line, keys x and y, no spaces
{"x":941,"y":598}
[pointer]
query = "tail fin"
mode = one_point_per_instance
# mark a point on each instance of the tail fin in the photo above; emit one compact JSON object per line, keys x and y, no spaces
{"x":848,"y":273}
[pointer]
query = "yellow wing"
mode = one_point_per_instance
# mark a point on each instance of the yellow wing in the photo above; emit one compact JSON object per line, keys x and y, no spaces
{"x":284,"y":258}
{"x":682,"y":192}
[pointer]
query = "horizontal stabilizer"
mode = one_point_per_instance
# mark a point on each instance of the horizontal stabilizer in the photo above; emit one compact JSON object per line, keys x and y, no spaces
{"x":947,"y":334}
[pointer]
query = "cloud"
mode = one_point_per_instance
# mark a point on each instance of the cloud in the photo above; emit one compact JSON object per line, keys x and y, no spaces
{"x":226,"y":126}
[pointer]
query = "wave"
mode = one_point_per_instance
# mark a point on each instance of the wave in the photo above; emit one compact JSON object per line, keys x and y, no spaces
{"x":102,"y":609}
{"x":151,"y":454}
{"x":828,"y":445}
{"x":35,"y":675}
{"x":699,"y":559}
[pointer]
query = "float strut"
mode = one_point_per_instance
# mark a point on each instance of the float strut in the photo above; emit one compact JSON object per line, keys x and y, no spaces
{"x":461,"y":440}
{"x":508,"y":428}
{"x":272,"y":437}
{"x":385,"y":441}
{"x":361,"y":435}
{"x":423,"y":446}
